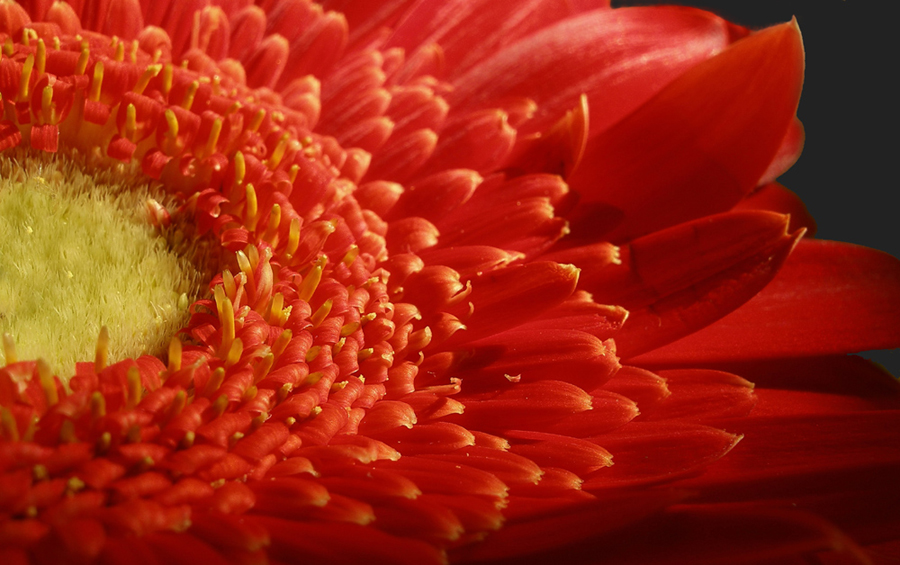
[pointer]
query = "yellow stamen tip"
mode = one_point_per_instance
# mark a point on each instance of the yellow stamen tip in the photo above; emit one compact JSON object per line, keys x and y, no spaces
{"x":135,"y":388}
{"x":9,"y":349}
{"x":101,"y":353}
{"x":48,"y":383}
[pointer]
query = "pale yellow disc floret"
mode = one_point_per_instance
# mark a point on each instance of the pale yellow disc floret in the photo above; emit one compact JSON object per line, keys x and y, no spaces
{"x":78,"y":252}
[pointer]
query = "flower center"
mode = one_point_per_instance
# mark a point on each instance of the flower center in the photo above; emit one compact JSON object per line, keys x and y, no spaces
{"x":78,"y":252}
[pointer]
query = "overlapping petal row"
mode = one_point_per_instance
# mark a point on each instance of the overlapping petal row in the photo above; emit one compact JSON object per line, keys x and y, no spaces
{"x":400,"y":361}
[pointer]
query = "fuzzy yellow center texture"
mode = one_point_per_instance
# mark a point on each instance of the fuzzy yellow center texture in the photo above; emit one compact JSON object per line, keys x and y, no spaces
{"x":77,"y":254}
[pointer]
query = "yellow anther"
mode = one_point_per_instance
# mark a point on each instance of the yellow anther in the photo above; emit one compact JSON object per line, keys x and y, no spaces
{"x":219,"y":405}
{"x":364,"y":354}
{"x":8,"y":425}
{"x":67,"y":432}
{"x":311,"y":280}
{"x":336,"y":387}
{"x":419,"y":339}
{"x":188,"y":100}
{"x":234,"y":108}
{"x":279,"y":151}
{"x":27,"y":68}
{"x":149,"y":73}
{"x":271,"y":234}
{"x":234,"y":352}
{"x":214,"y":132}
{"x":188,"y":440}
{"x":226,"y":318}
{"x":338,"y":346}
{"x":281,"y":342}
{"x":98,"y":405}
{"x":120,"y":50}
{"x":259,"y":420}
{"x":174,"y":355}
{"x":97,"y":83}
{"x":214,"y":382}
{"x":167,"y":75}
{"x":229,"y":284}
{"x":284,"y":391}
{"x":321,"y":313}
{"x":257,"y":120}
{"x":351,"y":255}
{"x":133,"y":50}
{"x":235,"y":437}
{"x":367,"y":318}
{"x":276,"y":310}
{"x":8,"y":47}
{"x":40,"y":61}
{"x":172,"y":123}
{"x":249,"y":394}
{"x":312,"y":353}
{"x":293,"y":237}
{"x":101,"y":352}
{"x":253,"y":254}
{"x":251,"y":208}
{"x":312,"y":379}
{"x":263,"y":367}
{"x":83,"y":59}
{"x":39,"y":473}
{"x":348,"y":329}
{"x":244,"y":265}
{"x":135,"y":388}
{"x":47,"y":104}
{"x":74,"y":484}
{"x":178,"y":404}
{"x":292,"y":173}
{"x":9,"y":349}
{"x":130,"y":122}
{"x":240,"y":168}
{"x":48,"y":383}
{"x":103,"y":443}
{"x":56,"y":43}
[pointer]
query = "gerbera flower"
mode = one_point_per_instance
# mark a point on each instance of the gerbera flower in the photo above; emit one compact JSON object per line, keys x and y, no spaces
{"x":479,"y":292}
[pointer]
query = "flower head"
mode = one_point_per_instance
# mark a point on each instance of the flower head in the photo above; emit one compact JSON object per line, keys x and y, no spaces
{"x":481,"y":292}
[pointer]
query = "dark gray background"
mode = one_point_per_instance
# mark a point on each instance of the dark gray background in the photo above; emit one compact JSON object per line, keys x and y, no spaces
{"x":847,"y":173}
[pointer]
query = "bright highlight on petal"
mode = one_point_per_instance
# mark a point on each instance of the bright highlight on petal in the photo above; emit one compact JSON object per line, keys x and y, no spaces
{"x":481,"y":282}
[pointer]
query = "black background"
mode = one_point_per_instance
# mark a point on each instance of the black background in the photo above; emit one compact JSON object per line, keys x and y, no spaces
{"x":847,"y":173}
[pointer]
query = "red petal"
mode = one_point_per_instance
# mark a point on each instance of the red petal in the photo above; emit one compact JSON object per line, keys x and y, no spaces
{"x":471,"y":31}
{"x":311,"y":542}
{"x":776,"y":198}
{"x":686,"y":311}
{"x":644,"y":453}
{"x":788,"y":153}
{"x":697,"y":147}
{"x":657,"y":265}
{"x":829,"y":298}
{"x":506,"y":298}
{"x":624,"y":57}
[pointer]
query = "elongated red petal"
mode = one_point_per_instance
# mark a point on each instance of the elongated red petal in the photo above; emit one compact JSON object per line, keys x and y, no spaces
{"x":666,"y":41}
{"x":776,"y":198}
{"x":685,"y":311}
{"x":829,"y":298}
{"x":698,"y":146}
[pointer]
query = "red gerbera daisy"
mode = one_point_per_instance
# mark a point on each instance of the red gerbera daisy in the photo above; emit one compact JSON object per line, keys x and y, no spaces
{"x":483,"y":292}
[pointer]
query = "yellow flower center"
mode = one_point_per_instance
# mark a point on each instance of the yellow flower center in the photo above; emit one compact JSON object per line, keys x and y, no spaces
{"x":78,"y":252}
